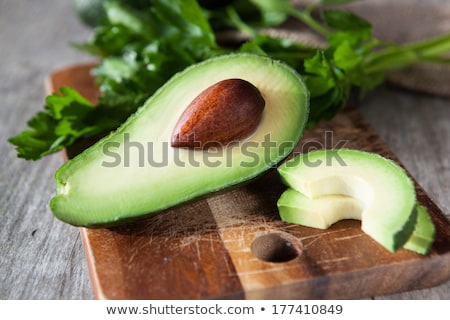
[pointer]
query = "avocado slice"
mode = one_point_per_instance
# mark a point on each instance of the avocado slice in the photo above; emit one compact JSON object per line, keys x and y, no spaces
{"x":322,"y":212}
{"x":319,"y":213}
{"x":135,"y":172}
{"x":424,"y":232}
{"x":385,"y":191}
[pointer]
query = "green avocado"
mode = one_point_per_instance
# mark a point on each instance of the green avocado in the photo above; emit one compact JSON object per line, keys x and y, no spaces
{"x":135,"y":172}
{"x":319,"y":213}
{"x":424,"y":232}
{"x":382,"y":188}
{"x":322,"y":212}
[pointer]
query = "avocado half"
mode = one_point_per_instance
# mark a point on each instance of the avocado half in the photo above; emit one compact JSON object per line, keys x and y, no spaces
{"x":135,"y":172}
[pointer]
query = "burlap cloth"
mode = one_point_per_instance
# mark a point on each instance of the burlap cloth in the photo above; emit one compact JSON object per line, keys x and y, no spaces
{"x":399,"y":21}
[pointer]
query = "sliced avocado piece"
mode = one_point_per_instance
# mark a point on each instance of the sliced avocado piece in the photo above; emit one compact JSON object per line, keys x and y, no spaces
{"x":424,"y":232}
{"x":322,"y":212}
{"x":135,"y":172}
{"x":383,"y":188}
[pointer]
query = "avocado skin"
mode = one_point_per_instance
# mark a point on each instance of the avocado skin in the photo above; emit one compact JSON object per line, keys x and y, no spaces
{"x":83,"y":197}
{"x":401,"y":237}
{"x":424,"y":232}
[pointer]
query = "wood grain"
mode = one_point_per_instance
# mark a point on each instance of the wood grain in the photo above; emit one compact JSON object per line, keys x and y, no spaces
{"x":204,"y":249}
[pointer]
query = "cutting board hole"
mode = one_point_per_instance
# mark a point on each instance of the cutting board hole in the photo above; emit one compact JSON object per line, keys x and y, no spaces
{"x":276,"y":247}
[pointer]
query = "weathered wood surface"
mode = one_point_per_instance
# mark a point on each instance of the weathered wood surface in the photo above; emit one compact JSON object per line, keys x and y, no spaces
{"x":40,"y":257}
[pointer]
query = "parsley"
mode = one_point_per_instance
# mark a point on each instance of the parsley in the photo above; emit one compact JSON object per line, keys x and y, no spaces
{"x":142,"y":47}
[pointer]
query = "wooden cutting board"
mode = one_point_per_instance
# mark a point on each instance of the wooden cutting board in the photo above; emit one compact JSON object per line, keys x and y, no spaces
{"x":233,"y":245}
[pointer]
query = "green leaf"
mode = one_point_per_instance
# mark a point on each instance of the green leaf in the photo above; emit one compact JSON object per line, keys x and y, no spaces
{"x":116,"y":69}
{"x":318,"y":65}
{"x":142,"y":43}
{"x":290,"y":52}
{"x":318,"y":86}
{"x":345,"y":57}
{"x":39,"y":140}
{"x":57,"y":104}
{"x":355,"y":38}
{"x":344,"y":20}
{"x":137,"y":21}
{"x":318,"y":75}
{"x":325,"y":106}
{"x":59,"y":125}
{"x":189,"y":20}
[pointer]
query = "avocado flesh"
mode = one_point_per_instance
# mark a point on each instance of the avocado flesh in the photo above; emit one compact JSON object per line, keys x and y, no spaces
{"x":113,"y":181}
{"x":383,"y":188}
{"x":322,"y":212}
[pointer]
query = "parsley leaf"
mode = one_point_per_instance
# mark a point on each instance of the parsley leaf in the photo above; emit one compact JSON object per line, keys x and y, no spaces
{"x":51,"y":130}
{"x":344,"y":20}
{"x":142,"y":46}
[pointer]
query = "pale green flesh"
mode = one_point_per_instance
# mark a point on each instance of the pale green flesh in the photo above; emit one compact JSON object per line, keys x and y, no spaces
{"x":91,"y":194}
{"x":384,"y":190}
{"x":322,"y":212}
{"x":319,"y":213}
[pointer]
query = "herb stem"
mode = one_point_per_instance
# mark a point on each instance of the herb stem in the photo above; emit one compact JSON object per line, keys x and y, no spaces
{"x":306,"y":18}
{"x":396,"y":57}
{"x":431,"y":47}
{"x":239,"y":24}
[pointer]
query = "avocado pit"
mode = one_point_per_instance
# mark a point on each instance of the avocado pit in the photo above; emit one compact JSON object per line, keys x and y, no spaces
{"x":227,"y":111}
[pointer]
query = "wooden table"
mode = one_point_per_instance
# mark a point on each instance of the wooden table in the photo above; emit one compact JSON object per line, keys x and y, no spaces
{"x":42,"y":258}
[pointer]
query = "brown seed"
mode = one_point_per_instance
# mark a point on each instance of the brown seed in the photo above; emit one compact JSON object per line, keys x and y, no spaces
{"x":227,"y":111}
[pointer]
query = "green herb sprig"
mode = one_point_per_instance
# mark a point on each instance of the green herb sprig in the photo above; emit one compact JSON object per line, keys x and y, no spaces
{"x":142,"y":47}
